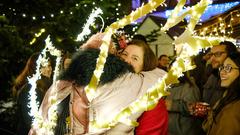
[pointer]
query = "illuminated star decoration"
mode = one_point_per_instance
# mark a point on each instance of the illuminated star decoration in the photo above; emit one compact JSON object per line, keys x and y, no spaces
{"x":182,"y":64}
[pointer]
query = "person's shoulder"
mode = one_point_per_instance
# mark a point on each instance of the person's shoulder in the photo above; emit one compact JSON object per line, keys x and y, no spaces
{"x":156,"y":71}
{"x":232,"y":109}
{"x":152,"y":74}
{"x":160,"y":70}
{"x":234,"y":105}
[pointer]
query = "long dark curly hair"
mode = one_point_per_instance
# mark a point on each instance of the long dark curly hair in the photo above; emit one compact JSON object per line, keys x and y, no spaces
{"x":84,"y":63}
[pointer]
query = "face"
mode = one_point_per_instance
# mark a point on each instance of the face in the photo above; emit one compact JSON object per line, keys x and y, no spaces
{"x":228,"y":72}
{"x":164,"y":62}
{"x":47,"y":70}
{"x":134,"y":56}
{"x":218,"y":55}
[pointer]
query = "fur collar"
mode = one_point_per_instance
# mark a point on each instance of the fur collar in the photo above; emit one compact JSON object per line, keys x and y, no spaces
{"x":84,"y":63}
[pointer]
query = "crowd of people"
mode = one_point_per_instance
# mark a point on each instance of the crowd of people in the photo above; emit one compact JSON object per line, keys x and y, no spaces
{"x":205,"y":101}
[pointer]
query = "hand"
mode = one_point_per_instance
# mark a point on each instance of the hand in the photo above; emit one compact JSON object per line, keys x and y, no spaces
{"x":32,"y":132}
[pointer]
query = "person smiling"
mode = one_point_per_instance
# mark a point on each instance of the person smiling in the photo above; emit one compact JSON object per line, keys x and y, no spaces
{"x":141,"y":57}
{"x":225,"y":118}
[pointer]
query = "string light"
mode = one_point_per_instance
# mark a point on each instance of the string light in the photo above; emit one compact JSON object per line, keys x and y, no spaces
{"x":90,"y":21}
{"x":12,"y":11}
{"x":50,"y":124}
{"x":223,"y":27}
{"x":217,"y":38}
{"x":34,"y":104}
{"x":36,"y":35}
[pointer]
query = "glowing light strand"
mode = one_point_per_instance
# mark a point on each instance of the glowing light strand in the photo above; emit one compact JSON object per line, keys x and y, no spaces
{"x":37,"y":35}
{"x":55,"y":52}
{"x":90,"y":21}
{"x":34,"y":105}
{"x":212,"y":28}
{"x":50,"y":124}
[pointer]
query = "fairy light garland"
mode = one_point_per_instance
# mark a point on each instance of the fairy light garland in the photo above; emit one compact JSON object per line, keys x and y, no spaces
{"x":195,"y":12}
{"x":171,"y":20}
{"x":54,"y":52}
{"x":33,"y":104}
{"x":219,"y":38}
{"x":50,"y":124}
{"x":47,"y":127}
{"x":57,"y":68}
{"x":90,"y":21}
{"x":36,"y":36}
{"x":17,"y":13}
{"x":222,"y":27}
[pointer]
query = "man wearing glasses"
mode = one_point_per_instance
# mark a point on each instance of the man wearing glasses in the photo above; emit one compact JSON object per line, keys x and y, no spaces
{"x":211,"y":89}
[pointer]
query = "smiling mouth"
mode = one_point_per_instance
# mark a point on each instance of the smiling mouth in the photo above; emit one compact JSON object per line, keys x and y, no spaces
{"x":223,"y":78}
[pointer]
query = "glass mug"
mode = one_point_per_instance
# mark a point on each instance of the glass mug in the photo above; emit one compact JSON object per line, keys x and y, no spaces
{"x":199,"y":109}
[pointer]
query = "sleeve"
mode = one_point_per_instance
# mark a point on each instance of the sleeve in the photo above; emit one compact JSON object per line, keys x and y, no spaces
{"x":149,"y":78}
{"x":154,"y":122}
{"x":179,"y":106}
{"x":209,"y":88}
{"x":187,"y":94}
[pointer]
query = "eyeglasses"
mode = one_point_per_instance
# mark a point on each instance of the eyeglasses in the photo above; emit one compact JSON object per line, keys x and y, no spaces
{"x":217,"y":54}
{"x":226,"y":68}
